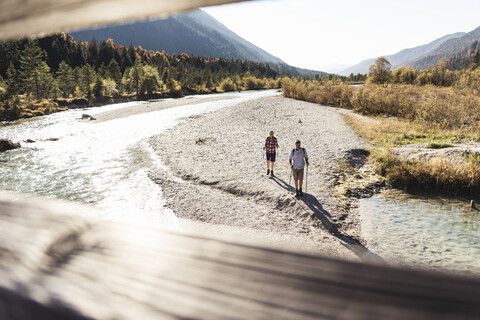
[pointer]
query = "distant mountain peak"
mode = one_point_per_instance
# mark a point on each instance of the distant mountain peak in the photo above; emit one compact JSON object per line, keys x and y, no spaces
{"x":448,"y":49}
{"x":405,"y":57}
{"x":194,"y":32}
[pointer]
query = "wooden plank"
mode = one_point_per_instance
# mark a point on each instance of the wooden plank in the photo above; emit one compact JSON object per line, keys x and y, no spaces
{"x":57,"y":263}
{"x":40,"y":17}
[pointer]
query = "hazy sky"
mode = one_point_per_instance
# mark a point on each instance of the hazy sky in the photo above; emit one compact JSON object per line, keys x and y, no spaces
{"x":314,"y":34}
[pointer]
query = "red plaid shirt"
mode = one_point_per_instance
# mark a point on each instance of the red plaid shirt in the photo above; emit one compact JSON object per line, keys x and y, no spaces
{"x":271,"y":145}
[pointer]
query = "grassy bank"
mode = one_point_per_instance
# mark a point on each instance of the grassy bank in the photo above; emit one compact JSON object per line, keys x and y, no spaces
{"x":18,"y":107}
{"x":400,"y":115}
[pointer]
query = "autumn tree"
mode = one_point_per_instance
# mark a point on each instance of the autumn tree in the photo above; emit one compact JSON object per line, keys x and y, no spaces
{"x":404,"y":75}
{"x":151,"y":80}
{"x":134,"y":76}
{"x":110,"y":87}
{"x":379,"y":72}
{"x":228,"y":85}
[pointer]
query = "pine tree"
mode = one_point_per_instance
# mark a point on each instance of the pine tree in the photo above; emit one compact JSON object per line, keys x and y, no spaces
{"x":12,"y":81}
{"x":98,"y":87}
{"x":166,"y":75}
{"x":207,"y":78}
{"x":114,"y":72}
{"x":476,"y":59}
{"x":102,"y":71}
{"x":136,"y":75}
{"x":33,"y":69}
{"x":66,"y":80}
{"x":87,"y":79}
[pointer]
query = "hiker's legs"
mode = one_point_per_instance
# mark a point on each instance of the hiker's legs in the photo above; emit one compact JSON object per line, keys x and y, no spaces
{"x":268,"y":164}
{"x":300,"y":178}
{"x":295,"y":178}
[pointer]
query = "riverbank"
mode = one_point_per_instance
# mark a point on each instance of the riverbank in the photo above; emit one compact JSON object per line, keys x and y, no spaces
{"x":157,"y":105}
{"x":21,"y":109}
{"x":219,"y":174}
{"x":18,"y":108}
{"x":424,"y":138}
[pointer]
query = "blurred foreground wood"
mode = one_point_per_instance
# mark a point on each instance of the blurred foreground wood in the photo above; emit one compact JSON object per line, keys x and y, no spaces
{"x":39,"y":17}
{"x":55,"y":263}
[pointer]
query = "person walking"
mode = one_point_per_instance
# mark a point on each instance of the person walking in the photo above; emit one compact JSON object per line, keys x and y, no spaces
{"x":271,"y":145}
{"x":298,"y":158}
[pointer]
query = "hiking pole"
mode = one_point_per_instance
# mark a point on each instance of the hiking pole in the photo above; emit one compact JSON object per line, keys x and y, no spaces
{"x":306,"y":182}
{"x":290,"y":179}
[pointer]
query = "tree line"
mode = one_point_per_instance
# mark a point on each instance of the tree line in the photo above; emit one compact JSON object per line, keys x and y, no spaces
{"x":58,"y":67}
{"x":439,"y":75}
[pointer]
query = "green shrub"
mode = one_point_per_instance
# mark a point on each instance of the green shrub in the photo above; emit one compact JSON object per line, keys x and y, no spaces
{"x":10,"y":109}
{"x":228,"y":85}
{"x":434,"y":145}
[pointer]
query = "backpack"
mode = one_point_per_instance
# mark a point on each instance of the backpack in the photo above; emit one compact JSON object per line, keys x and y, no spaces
{"x":274,"y":139}
{"x":293,"y":151}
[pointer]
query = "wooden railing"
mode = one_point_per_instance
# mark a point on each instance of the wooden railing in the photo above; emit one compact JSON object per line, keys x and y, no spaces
{"x":57,"y":262}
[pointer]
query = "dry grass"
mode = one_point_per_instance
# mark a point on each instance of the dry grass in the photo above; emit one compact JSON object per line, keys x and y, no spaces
{"x":393,"y":132}
{"x":40,"y":108}
{"x":441,"y":108}
{"x":437,"y":174}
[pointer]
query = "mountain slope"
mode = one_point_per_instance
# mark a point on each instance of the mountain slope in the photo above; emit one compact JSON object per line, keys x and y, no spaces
{"x":195,"y":32}
{"x":448,"y":49}
{"x":404,"y":57}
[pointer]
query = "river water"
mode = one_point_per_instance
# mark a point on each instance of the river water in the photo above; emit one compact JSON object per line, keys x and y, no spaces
{"x":103,"y":164}
{"x":106,"y":165}
{"x":431,"y":232}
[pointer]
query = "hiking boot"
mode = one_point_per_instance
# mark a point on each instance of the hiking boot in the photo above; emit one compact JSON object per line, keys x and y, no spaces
{"x":300,"y":192}
{"x":268,"y":172}
{"x":271,"y":173}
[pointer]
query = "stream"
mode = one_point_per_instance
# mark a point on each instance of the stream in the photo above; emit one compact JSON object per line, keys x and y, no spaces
{"x":432,"y":232}
{"x":104,"y":164}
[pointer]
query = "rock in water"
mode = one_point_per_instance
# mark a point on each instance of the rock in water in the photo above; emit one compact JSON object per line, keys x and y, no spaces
{"x":87,"y":117}
{"x":8,"y":145}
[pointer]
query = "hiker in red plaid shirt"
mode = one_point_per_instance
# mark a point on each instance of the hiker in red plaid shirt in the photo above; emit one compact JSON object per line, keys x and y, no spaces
{"x":271,"y":145}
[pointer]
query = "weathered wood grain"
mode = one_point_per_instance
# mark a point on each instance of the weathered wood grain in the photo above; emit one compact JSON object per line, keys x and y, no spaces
{"x":56,"y":263}
{"x":39,"y":17}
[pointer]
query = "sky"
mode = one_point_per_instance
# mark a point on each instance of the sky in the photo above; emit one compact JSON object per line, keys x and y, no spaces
{"x":320,"y":34}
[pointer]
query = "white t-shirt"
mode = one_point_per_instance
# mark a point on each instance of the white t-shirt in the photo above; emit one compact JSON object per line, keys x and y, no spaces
{"x":298,"y":158}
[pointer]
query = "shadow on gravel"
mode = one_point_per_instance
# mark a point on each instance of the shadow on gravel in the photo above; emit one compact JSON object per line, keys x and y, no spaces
{"x":282,"y":184}
{"x":347,"y":241}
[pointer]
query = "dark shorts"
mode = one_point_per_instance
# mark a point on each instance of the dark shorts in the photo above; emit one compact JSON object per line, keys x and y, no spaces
{"x":298,"y":174}
{"x":271,"y":156}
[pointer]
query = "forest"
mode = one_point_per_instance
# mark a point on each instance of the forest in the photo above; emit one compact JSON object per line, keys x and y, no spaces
{"x":46,"y":75}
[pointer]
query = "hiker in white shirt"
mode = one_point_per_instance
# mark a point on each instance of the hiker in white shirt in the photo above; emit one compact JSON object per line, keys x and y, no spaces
{"x":298,"y":158}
